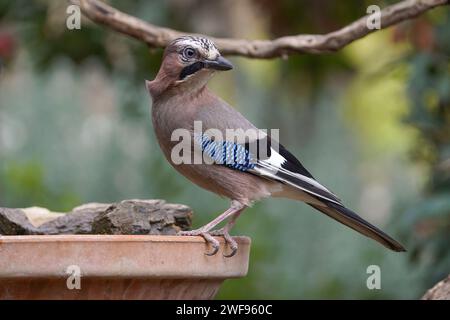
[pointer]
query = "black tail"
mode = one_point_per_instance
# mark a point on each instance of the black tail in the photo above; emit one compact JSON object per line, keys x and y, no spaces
{"x":352,"y":220}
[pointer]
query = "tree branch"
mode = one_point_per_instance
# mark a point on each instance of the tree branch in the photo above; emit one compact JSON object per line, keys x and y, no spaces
{"x":159,"y":37}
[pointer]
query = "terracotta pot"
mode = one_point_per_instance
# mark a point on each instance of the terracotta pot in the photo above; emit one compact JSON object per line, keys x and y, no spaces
{"x":115,"y":267}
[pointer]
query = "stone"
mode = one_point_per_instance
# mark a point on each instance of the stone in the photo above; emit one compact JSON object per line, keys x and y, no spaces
{"x":75,"y":222}
{"x":154,"y":217}
{"x":15,"y":222}
{"x":39,"y":216}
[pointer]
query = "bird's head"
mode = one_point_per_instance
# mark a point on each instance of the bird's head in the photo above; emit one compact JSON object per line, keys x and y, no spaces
{"x":188,"y":63}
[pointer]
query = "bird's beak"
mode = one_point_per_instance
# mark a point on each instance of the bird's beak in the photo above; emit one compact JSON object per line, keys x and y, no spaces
{"x":219,"y":64}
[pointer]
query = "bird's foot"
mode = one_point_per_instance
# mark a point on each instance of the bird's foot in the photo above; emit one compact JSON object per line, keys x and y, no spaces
{"x":206,"y":235}
{"x":228,"y":240}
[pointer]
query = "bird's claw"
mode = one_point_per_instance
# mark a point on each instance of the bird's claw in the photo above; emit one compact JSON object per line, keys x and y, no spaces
{"x":208,"y":236}
{"x":228,"y":240}
{"x":213,"y":242}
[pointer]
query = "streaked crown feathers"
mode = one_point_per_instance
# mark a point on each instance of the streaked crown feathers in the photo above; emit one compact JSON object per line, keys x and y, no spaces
{"x":205,"y":46}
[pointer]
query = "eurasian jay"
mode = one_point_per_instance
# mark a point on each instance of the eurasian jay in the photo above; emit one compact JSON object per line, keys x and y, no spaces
{"x":234,"y":169}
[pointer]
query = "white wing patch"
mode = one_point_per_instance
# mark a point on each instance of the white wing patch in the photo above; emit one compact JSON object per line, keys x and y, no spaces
{"x":273,"y":166}
{"x":275,"y":158}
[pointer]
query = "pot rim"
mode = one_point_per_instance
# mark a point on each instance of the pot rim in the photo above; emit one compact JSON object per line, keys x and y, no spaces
{"x":119,"y":256}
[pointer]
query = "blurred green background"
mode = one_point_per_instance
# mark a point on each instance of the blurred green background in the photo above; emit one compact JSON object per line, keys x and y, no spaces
{"x":371,"y":122}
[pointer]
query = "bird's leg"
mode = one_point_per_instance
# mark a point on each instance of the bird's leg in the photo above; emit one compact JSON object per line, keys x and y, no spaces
{"x":235,"y":208}
{"x":225,"y":233}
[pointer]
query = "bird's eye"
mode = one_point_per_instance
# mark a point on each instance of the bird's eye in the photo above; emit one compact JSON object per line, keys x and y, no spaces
{"x":188,"y":53}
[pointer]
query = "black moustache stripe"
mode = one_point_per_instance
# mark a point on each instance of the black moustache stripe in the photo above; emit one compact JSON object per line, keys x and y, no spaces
{"x":191,"y":69}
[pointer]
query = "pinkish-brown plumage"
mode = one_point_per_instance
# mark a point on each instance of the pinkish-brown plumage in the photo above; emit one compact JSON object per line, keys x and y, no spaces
{"x":180,"y":98}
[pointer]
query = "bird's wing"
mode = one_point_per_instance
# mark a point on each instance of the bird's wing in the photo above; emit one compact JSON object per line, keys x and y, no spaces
{"x":262,"y":158}
{"x":282,"y":166}
{"x":352,"y":220}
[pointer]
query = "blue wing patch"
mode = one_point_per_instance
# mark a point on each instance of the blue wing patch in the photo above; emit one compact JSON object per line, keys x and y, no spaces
{"x":227,"y":153}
